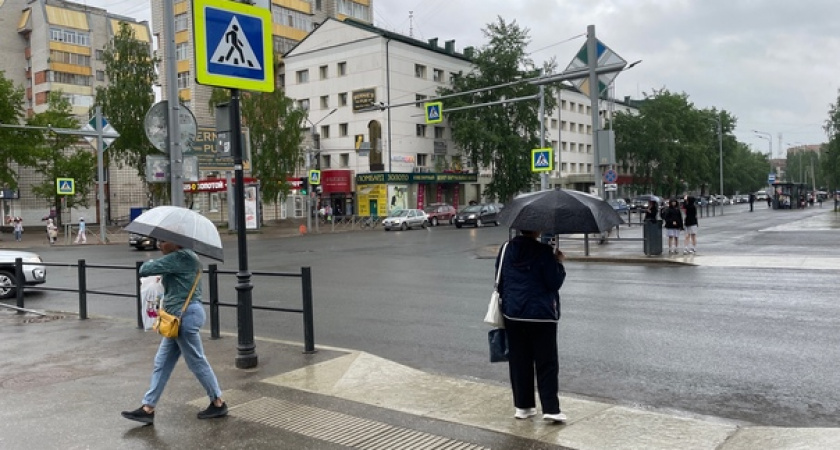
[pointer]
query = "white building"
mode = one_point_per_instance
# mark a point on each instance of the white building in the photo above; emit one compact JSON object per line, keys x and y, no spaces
{"x":388,"y":156}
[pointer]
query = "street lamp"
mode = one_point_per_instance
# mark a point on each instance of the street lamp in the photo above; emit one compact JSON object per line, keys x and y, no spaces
{"x":312,"y":134}
{"x":769,"y":137}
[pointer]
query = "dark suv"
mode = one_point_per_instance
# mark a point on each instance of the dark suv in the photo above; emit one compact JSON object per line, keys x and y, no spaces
{"x":477,"y":215}
{"x":440,"y":213}
{"x":141,"y":242}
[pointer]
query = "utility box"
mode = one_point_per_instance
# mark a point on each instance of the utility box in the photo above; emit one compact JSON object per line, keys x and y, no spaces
{"x":652,"y":232}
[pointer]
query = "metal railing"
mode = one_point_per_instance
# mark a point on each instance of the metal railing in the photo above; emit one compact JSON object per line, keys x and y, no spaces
{"x":305,"y":275}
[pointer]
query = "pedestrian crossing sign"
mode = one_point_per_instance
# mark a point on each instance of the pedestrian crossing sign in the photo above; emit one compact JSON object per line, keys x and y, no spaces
{"x":65,"y":186}
{"x":314,"y":177}
{"x":233,"y":45}
{"x":434,"y":112}
{"x":542,"y":159}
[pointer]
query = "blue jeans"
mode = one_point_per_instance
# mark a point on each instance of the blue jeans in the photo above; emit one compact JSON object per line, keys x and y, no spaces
{"x":187,"y":343}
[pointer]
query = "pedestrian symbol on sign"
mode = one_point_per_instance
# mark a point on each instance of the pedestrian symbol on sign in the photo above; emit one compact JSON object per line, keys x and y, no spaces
{"x":235,"y":50}
{"x":542,"y":160}
{"x":314,"y":177}
{"x":434,"y":112}
{"x":65,"y":186}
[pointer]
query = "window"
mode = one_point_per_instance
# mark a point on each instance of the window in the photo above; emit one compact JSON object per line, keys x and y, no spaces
{"x":342,"y":99}
{"x":183,"y":80}
{"x":100,"y":54}
{"x":589,"y":168}
{"x":325,"y":101}
{"x":291,"y":18}
{"x":421,"y":130}
{"x":318,"y":5}
{"x":182,"y":51}
{"x":182,"y":22}
{"x":325,"y":131}
{"x":324,"y":72}
{"x":572,"y":146}
{"x":69,"y":58}
{"x":69,"y":78}
{"x":326,"y":163}
{"x":563,"y":104}
{"x":554,"y":123}
{"x":342,"y":129}
{"x":302,"y":76}
{"x":304,"y":104}
{"x":589,"y":148}
{"x":354,"y":10}
{"x":437,"y":75}
{"x":439,"y":132}
{"x":70,"y":36}
{"x":341,"y":69}
{"x":422,"y":160}
{"x":581,"y":128}
{"x":100,"y":75}
{"x":580,"y":108}
{"x":589,"y":129}
{"x":420,"y":71}
{"x":452,"y":77}
{"x":344,"y":160}
{"x":420,"y":99}
{"x":564,"y":167}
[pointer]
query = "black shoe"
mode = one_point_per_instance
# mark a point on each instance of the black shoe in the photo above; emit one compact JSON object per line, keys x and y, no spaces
{"x":213,"y":411}
{"x":140,"y":415}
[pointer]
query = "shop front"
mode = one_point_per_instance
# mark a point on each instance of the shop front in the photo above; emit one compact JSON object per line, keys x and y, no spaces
{"x":337,"y":191}
{"x":378,"y":194}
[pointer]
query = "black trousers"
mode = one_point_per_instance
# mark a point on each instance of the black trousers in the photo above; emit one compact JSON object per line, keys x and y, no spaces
{"x":533,"y":347}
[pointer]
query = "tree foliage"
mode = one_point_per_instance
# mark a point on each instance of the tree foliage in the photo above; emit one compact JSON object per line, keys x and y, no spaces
{"x":62,"y":156}
{"x":500,"y":137}
{"x":128,"y":95}
{"x":671,"y":147}
{"x":274,"y":126}
{"x":830,"y":154}
{"x":16,"y":143}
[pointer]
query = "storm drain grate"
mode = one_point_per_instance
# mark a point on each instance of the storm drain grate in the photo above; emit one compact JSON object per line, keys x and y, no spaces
{"x":343,"y":429}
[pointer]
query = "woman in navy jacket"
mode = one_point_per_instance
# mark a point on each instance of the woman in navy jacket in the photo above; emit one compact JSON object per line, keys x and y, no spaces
{"x":532,"y":274}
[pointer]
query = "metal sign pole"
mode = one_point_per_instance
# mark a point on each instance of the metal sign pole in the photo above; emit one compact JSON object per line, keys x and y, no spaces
{"x":100,"y":171}
{"x":176,"y":169}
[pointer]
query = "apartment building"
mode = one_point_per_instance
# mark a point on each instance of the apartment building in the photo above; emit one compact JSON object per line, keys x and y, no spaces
{"x":54,"y":45}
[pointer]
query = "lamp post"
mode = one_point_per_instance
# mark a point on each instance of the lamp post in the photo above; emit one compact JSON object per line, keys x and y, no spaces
{"x":769,"y":137}
{"x":312,"y":134}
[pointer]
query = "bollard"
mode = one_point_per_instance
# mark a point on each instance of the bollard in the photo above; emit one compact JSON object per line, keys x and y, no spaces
{"x":308,"y":319}
{"x":82,"y":290}
{"x":19,"y":282}
{"x":213,"y":275}
{"x":140,"y":304}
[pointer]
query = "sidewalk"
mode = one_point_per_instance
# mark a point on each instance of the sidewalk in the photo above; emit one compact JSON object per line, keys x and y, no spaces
{"x":64,"y":382}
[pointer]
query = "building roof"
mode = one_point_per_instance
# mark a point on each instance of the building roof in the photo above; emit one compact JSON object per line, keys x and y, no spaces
{"x":431,"y":45}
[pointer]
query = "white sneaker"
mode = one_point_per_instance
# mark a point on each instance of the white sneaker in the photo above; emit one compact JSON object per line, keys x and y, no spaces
{"x":524,"y":413}
{"x":685,"y":252}
{"x":557,"y":418}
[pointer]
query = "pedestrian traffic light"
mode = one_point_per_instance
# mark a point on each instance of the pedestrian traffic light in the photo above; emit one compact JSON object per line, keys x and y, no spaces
{"x":304,"y":186}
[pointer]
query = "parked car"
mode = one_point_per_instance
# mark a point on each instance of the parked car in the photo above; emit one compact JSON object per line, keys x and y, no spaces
{"x":477,"y":215}
{"x":640,"y":203}
{"x":761,"y":196}
{"x":719,"y":200}
{"x":404,"y":219}
{"x":33,"y":272}
{"x":440,"y":212}
{"x":619,"y":205}
{"x":141,"y":242}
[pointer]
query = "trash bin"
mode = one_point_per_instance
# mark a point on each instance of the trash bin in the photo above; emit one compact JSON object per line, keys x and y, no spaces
{"x":653,"y":237}
{"x":135,"y":212}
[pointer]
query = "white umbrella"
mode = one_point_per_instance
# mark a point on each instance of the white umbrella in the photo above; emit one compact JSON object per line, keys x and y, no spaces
{"x":181,"y":226}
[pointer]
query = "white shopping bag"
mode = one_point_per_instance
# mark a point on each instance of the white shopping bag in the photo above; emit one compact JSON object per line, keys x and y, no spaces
{"x":151,"y":297}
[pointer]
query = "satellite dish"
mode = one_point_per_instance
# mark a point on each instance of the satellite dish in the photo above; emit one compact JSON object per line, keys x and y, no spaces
{"x":156,"y":125}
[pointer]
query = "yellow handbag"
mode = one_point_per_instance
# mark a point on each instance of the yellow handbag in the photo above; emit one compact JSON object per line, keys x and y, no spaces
{"x":167,"y":324}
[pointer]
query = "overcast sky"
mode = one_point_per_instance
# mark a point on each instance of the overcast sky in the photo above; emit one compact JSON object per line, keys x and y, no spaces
{"x":773,"y":64}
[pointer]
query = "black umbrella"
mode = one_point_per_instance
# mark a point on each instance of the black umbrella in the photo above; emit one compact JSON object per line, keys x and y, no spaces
{"x":560,"y":211}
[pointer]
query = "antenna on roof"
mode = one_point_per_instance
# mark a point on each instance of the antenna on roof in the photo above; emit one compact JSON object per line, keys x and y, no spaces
{"x":411,"y":24}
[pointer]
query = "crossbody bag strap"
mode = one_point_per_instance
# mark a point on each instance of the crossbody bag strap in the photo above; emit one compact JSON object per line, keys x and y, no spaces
{"x":501,"y":261}
{"x":192,"y":291}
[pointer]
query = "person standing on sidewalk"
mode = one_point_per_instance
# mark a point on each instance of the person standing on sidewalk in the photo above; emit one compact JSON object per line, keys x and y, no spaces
{"x":80,"y":237}
{"x":752,"y":201}
{"x":531,"y":276}
{"x":690,"y":225}
{"x":52,"y":231}
{"x":178,"y":269}
{"x":673,"y":224}
{"x":18,"y":229}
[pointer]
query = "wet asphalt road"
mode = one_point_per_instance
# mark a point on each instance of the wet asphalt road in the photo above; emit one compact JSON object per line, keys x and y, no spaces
{"x":753,"y":344}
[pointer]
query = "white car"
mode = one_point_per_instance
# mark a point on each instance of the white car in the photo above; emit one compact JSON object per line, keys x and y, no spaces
{"x":404,"y":219}
{"x":32,"y":273}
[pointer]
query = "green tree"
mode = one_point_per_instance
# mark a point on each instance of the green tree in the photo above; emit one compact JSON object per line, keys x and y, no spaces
{"x":59,"y":156}
{"x":500,"y":136}
{"x":16,"y":143}
{"x":125,"y":99}
{"x":830,"y":158}
{"x":274,"y":126}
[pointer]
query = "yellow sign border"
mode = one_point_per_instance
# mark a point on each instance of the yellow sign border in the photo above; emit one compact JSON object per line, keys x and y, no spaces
{"x":534,"y":152}
{"x":58,"y":190}
{"x":440,"y":109}
{"x":202,"y":56}
{"x":314,"y":172}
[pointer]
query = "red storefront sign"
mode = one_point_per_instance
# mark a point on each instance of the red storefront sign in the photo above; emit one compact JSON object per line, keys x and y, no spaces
{"x":212,"y":185}
{"x":336,"y":180}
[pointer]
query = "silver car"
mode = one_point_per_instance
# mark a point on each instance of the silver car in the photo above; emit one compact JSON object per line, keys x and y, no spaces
{"x":32,"y":273}
{"x":404,"y":219}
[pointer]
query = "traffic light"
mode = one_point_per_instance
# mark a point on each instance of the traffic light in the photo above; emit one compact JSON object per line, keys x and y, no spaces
{"x":304,"y":186}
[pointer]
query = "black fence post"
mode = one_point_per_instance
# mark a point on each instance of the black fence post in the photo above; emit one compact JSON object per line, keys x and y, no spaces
{"x":140,"y":304}
{"x":308,"y":319}
{"x":19,"y":282}
{"x":213,"y":275}
{"x":82,"y":290}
